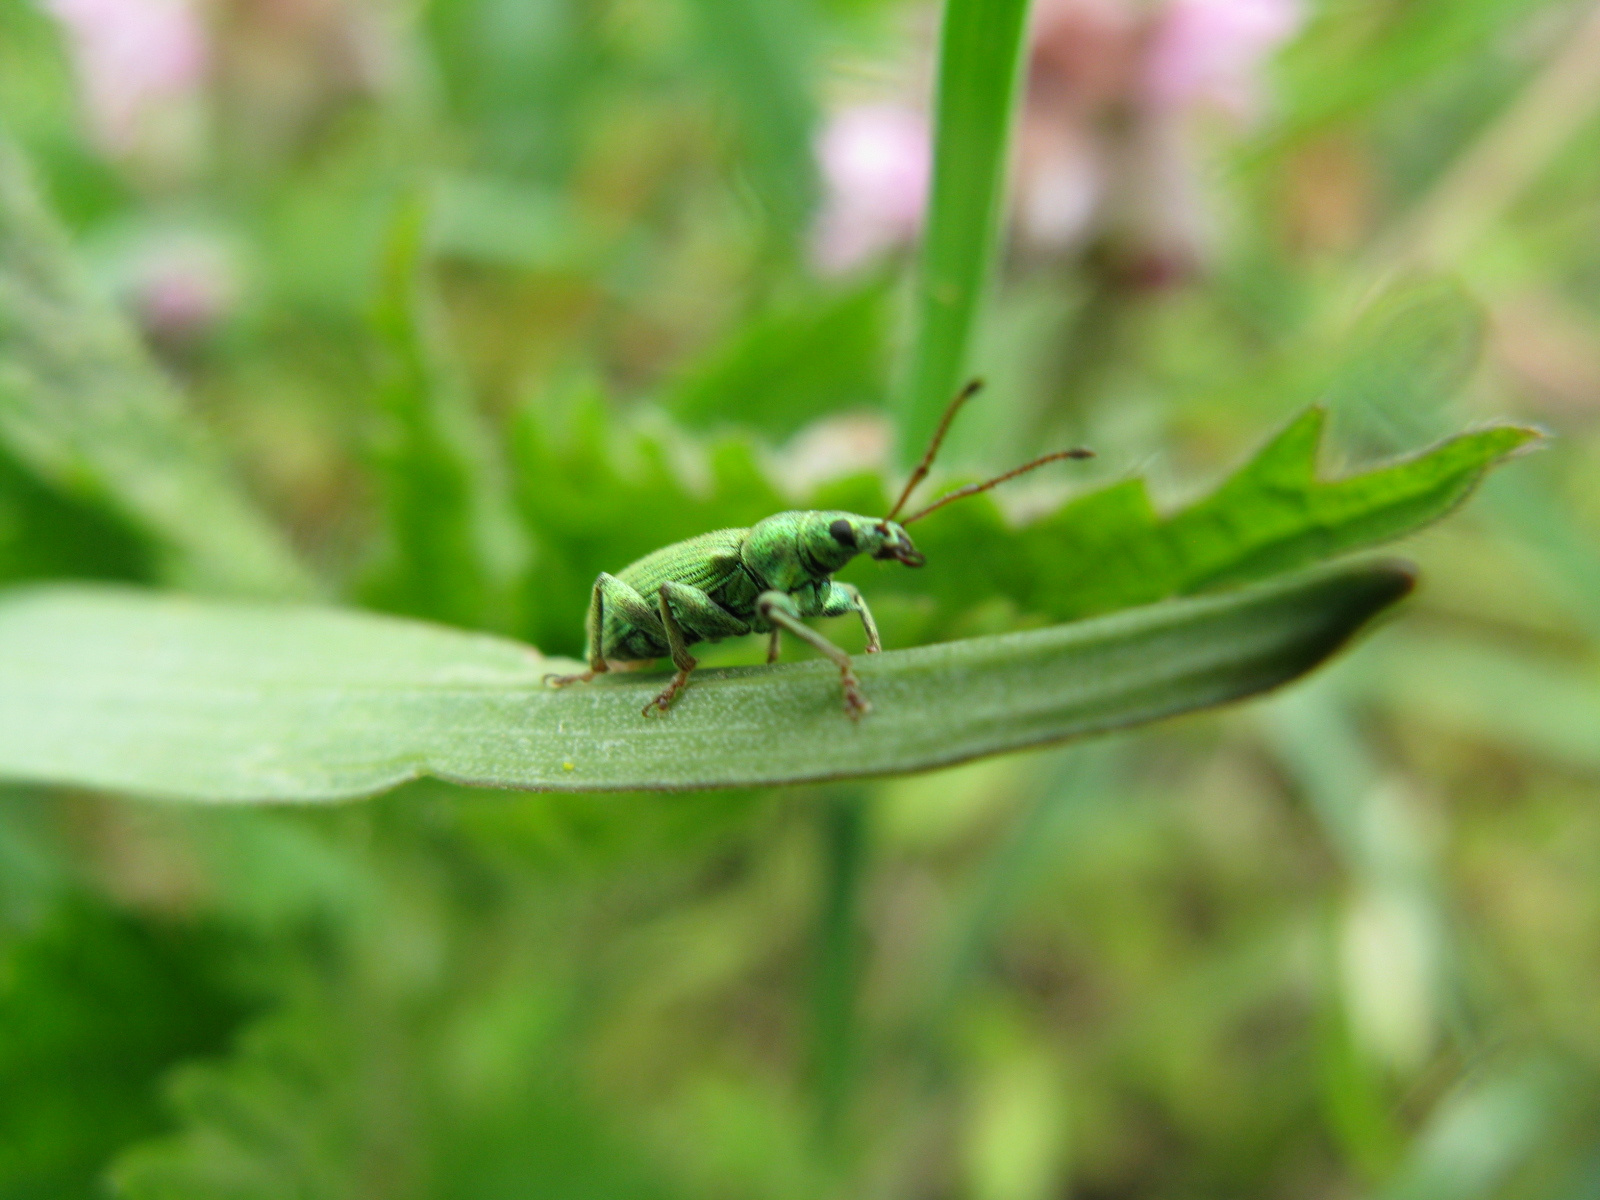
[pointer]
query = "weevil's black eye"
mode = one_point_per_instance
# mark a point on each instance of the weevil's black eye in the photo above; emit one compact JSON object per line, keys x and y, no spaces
{"x":844,"y":533}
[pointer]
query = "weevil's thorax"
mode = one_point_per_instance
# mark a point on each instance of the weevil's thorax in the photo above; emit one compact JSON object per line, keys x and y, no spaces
{"x":792,"y":549}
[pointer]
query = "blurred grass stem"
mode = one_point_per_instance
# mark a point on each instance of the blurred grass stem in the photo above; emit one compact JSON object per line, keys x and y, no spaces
{"x":1497,"y":168}
{"x":844,"y":820}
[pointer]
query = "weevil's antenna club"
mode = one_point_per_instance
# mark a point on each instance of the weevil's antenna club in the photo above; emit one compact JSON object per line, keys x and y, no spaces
{"x":972,"y":489}
{"x":967,"y":393}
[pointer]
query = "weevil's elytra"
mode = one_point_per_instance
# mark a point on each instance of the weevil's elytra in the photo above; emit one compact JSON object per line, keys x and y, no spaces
{"x":764,"y":579}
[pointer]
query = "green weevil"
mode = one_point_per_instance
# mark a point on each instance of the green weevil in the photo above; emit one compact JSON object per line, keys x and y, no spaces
{"x":763,"y":579}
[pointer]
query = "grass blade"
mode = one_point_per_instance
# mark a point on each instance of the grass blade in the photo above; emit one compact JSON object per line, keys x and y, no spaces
{"x":980,"y":49}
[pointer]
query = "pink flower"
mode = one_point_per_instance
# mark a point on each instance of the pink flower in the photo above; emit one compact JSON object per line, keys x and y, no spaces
{"x":1210,"y":52}
{"x":133,"y":57}
{"x":875,"y":160}
{"x":180,"y":284}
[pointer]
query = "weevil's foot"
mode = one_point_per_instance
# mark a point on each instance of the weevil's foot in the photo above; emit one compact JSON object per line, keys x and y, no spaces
{"x":557,"y":681}
{"x":874,"y":648}
{"x":668,"y":694}
{"x":855,"y":704}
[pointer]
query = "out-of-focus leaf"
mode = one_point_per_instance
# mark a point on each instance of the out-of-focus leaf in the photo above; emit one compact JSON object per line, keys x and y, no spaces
{"x":44,"y":534}
{"x":762,"y":51}
{"x":1407,"y":357}
{"x":1479,"y":1135}
{"x":500,"y":223}
{"x":979,"y":52}
{"x":347,"y":1092}
{"x":454,"y":547}
{"x":94,"y":1007}
{"x":789,"y":366}
{"x":165,"y":696}
{"x":82,"y":405}
{"x":1337,"y":77}
{"x":1531,"y":704}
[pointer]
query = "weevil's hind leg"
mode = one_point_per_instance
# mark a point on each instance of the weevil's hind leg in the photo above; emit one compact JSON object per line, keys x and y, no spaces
{"x":593,"y":621}
{"x":774,"y":644}
{"x":779,"y":609}
{"x":845,"y":598}
{"x":611,"y":597}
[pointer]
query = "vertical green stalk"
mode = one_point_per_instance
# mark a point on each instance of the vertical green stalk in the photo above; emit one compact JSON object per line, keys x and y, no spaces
{"x":979,"y":56}
{"x":838,"y":957}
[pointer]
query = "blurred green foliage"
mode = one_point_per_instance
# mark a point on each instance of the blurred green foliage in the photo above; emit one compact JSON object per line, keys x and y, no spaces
{"x":505,"y":292}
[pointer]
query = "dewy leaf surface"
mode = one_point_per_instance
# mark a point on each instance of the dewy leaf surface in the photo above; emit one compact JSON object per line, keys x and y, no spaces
{"x":162,"y":695}
{"x":82,"y":405}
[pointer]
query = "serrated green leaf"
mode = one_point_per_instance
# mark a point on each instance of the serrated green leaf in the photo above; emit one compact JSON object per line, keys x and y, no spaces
{"x":1111,"y":549}
{"x":82,"y":405}
{"x":453,"y":544}
{"x":164,"y":695}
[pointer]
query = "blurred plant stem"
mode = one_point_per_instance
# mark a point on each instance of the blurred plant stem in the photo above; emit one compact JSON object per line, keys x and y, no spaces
{"x":980,"y":52}
{"x":1496,"y":169}
{"x":1071,"y":779}
{"x":844,"y":816}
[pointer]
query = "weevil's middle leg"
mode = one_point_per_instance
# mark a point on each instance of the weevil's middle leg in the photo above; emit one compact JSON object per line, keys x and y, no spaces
{"x":681,"y":658}
{"x":779,"y":609}
{"x":774,"y":644}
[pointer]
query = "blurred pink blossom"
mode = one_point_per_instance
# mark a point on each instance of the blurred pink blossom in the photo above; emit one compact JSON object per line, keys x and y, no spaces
{"x":1209,"y":53}
{"x":875,"y":160}
{"x":180,"y":285}
{"x":133,"y":57}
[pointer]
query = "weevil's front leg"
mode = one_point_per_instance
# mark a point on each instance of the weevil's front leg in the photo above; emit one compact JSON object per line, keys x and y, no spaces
{"x":611,"y":597}
{"x":779,"y":608}
{"x":844,"y":598}
{"x":774,"y":640}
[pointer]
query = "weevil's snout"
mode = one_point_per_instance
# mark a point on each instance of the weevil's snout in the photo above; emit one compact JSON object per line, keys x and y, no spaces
{"x":897,"y":546}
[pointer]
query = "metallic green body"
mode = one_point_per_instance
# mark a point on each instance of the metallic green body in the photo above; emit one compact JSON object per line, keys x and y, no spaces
{"x":713,"y":583}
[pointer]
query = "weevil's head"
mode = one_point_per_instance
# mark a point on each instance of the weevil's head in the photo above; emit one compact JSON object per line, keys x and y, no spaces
{"x":851,"y":534}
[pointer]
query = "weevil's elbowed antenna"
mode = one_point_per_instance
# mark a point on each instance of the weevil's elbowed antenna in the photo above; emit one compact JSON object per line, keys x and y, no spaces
{"x":971,"y":489}
{"x":967,"y":393}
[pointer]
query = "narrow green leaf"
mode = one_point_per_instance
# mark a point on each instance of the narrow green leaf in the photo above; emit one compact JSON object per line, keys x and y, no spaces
{"x":82,"y":405}
{"x":979,"y":53}
{"x":163,"y":695}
